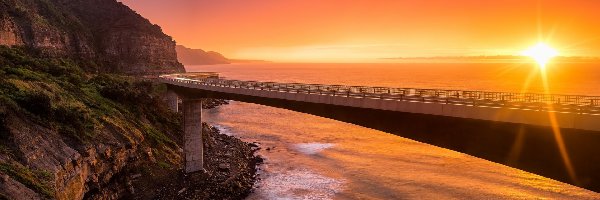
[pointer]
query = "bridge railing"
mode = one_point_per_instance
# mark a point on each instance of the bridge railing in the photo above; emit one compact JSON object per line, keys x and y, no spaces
{"x":535,"y":101}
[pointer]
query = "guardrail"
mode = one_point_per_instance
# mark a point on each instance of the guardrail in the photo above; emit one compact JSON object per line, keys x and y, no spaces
{"x":534,"y":101}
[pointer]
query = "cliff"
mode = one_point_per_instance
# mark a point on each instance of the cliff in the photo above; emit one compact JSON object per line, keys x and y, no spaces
{"x":67,"y":134}
{"x":104,"y":34}
{"x":189,"y":56}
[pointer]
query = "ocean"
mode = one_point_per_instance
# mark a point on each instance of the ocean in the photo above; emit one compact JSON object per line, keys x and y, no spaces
{"x":311,"y":157}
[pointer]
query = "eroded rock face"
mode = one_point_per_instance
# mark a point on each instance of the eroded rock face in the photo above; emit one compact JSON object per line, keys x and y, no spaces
{"x":13,"y":189}
{"x":108,"y":37}
{"x":106,"y":32}
{"x":132,"y":52}
{"x":76,"y":174}
{"x":8,"y":33}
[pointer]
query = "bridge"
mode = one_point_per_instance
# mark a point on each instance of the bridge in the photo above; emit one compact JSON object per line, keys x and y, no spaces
{"x":552,"y":135}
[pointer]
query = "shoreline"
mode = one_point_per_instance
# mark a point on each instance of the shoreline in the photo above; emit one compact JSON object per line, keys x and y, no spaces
{"x":363,"y":159}
{"x":230,"y":164}
{"x":230,"y":173}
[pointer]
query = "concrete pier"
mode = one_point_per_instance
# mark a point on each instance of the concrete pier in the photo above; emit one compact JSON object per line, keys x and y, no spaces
{"x":172,"y":100}
{"x":193,"y":145}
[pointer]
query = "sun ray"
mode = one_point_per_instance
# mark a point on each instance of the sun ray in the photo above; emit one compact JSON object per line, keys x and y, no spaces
{"x":542,"y":54}
{"x":532,"y":74}
{"x":515,"y":150}
{"x":557,"y":133}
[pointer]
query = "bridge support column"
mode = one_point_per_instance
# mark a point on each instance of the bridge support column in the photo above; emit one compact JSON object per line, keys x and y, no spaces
{"x":172,"y":100}
{"x":193,"y":145}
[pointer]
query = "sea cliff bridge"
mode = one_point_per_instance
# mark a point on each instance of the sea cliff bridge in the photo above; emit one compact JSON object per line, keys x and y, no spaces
{"x":529,"y":131}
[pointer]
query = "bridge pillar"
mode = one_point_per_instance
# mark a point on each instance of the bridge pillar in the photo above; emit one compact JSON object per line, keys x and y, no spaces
{"x":172,"y":100}
{"x":193,"y":147}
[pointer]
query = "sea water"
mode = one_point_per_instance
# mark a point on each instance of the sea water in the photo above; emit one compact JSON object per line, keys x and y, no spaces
{"x":311,"y":157}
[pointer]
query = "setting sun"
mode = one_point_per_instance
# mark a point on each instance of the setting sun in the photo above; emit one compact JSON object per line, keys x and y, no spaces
{"x":541,"y":53}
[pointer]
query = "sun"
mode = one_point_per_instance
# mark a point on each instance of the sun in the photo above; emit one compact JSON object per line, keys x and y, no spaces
{"x":541,"y":53}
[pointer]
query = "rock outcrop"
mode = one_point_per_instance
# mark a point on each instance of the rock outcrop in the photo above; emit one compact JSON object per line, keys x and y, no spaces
{"x":74,"y":174}
{"x":189,"y":56}
{"x":105,"y":34}
{"x":68,"y":134}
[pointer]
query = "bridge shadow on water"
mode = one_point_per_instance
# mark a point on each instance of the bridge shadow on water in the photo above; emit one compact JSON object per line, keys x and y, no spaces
{"x":526,"y":147}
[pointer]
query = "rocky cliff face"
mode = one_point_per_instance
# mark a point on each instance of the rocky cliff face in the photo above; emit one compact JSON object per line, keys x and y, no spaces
{"x":189,"y":56}
{"x":68,"y":134}
{"x":89,"y":172}
{"x":106,"y":34}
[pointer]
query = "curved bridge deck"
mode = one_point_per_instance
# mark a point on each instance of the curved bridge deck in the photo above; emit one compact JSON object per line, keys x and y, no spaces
{"x":570,"y":111}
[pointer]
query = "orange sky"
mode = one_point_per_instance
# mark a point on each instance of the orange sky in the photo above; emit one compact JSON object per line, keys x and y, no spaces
{"x":367,"y":30}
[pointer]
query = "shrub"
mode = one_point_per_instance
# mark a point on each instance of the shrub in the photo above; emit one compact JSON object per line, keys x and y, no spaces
{"x":3,"y":127}
{"x":124,"y":90}
{"x":157,"y":137}
{"x":112,"y":87}
{"x":23,"y":74}
{"x":75,"y":119}
{"x":35,"y":102}
{"x":164,"y":165}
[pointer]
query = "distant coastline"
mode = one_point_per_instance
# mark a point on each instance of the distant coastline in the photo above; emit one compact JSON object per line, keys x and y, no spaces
{"x":237,"y":61}
{"x":189,"y":56}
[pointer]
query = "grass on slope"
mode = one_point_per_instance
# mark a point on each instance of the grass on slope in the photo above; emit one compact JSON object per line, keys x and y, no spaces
{"x":59,"y":96}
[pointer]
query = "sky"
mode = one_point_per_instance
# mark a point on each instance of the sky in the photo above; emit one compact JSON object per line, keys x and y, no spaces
{"x":369,"y":30}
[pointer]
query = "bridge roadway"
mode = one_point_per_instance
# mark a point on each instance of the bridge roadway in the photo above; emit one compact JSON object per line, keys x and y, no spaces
{"x":571,"y":111}
{"x":516,"y":129}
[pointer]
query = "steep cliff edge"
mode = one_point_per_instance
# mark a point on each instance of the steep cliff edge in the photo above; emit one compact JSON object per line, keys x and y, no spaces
{"x":67,"y":134}
{"x":70,"y":131}
{"x":106,"y":35}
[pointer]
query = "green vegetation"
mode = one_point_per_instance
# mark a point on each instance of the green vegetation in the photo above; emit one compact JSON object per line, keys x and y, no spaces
{"x":3,"y":128}
{"x":83,"y":108}
{"x":164,"y":165}
{"x":158,"y":138}
{"x":58,"y":94}
{"x":46,"y":90}
{"x":38,"y":180}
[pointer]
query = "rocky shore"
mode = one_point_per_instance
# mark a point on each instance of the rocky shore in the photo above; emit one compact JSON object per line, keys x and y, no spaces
{"x":230,"y":172}
{"x":213,"y":103}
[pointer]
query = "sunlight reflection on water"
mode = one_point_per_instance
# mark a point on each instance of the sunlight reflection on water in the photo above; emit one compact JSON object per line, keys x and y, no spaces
{"x":310,"y":157}
{"x":314,"y":157}
{"x":299,"y":184}
{"x":313,"y":148}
